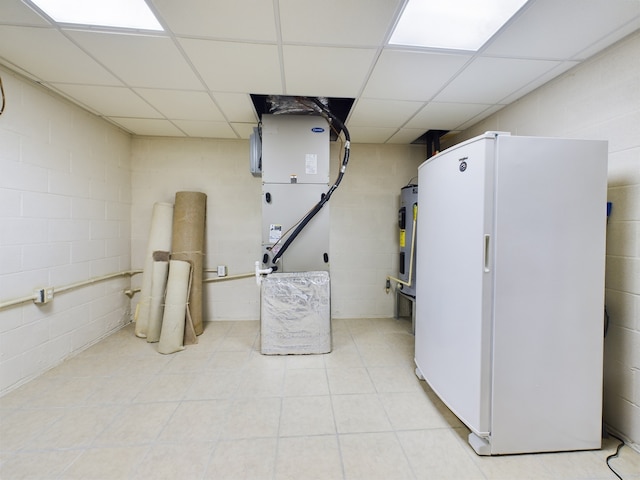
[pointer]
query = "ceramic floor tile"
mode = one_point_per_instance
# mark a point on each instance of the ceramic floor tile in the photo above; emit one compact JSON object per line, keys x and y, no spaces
{"x":309,"y":458}
{"x":238,"y":343}
{"x":513,"y":467}
{"x":251,"y":327}
{"x":228,"y":360}
{"x":171,"y":462}
{"x":394,"y":379}
{"x":344,"y":357}
{"x":137,"y":424}
{"x":19,"y":427}
{"x":412,"y":411}
{"x":221,"y":383}
{"x":310,"y":381}
{"x":306,"y":416}
{"x":368,"y":338}
{"x":77,"y":428}
{"x":37,"y":465}
{"x":252,"y":418}
{"x":187,"y":362}
{"x":305,"y":361}
{"x":67,"y":392}
{"x":384,"y":356}
{"x":261,"y":382}
{"x":246,"y":459}
{"x":105,"y":463}
{"x":260,"y":361}
{"x":117,"y":390}
{"x":575,"y":465}
{"x":374,"y":456}
{"x":222,"y":410}
{"x":165,"y":388}
{"x":359,"y":413}
{"x":349,"y":380}
{"x":196,"y":421}
{"x":437,"y":453}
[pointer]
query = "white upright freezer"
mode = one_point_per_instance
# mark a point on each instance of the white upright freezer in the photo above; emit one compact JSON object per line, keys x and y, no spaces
{"x":510,"y":289}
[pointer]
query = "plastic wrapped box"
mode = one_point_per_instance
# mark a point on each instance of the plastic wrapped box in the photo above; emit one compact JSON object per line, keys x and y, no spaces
{"x":295,"y":313}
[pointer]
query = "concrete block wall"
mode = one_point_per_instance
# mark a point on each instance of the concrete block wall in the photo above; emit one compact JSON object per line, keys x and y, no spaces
{"x":65,"y":213}
{"x":600,"y":99}
{"x":363,"y":235}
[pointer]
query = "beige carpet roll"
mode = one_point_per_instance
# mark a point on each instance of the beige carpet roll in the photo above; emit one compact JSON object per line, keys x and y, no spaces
{"x":158,"y":286}
{"x":175,"y":307}
{"x":159,"y":239}
{"x":188,"y":245}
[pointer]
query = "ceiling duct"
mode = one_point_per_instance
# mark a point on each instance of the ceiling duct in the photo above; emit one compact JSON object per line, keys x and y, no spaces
{"x":298,"y":105}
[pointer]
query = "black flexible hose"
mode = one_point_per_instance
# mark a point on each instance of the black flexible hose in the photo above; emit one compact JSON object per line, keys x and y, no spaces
{"x":312,"y":213}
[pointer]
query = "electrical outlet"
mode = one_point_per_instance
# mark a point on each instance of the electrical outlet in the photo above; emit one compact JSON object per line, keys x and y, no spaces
{"x":43,"y":295}
{"x":222,"y":270}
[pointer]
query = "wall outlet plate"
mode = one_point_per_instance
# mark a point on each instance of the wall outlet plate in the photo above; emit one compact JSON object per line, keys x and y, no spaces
{"x":43,"y":295}
{"x":222,"y":270}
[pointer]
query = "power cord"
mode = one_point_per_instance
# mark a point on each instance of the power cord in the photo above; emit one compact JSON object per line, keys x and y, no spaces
{"x":3,"y":97}
{"x":614,"y":455}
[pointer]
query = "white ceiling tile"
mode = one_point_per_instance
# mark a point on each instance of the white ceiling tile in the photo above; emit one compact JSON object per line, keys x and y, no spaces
{"x":370,"y":134}
{"x":489,"y":80}
{"x":236,"y":67}
{"x":140,"y":60}
{"x":237,"y":19}
{"x":23,"y":46}
{"x":15,"y":11}
{"x":336,"y":22}
{"x":445,"y":116}
{"x":236,"y":107}
{"x":555,"y":29}
{"x":335,"y":48}
{"x":406,"y":135}
{"x":319,"y":71}
{"x":148,"y":126}
{"x":110,"y":101}
{"x":412,"y":75}
{"x":175,"y":104}
{"x":206,"y":129}
{"x":382,"y":113}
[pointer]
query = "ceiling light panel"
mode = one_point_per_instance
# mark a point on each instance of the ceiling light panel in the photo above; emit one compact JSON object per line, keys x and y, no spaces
{"x":454,"y":24}
{"x":132,"y":14}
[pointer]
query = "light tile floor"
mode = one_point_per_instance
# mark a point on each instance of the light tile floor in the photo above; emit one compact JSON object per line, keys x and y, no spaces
{"x":221,"y":410}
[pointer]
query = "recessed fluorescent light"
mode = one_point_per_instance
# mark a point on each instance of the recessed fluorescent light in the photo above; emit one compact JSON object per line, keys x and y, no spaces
{"x":134,"y":14}
{"x":452,"y":24}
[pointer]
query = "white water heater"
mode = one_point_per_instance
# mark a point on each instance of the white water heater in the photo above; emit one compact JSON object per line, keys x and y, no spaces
{"x":407,"y":218}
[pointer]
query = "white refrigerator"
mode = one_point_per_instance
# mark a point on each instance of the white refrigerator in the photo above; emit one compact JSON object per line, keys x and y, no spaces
{"x":510,"y":289}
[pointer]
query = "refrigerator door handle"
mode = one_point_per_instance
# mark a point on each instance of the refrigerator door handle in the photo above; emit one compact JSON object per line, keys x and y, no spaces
{"x":487,"y":242}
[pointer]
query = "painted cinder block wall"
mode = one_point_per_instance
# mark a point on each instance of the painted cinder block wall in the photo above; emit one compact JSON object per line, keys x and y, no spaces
{"x":363,"y":232}
{"x":600,"y":99}
{"x":65,"y":203}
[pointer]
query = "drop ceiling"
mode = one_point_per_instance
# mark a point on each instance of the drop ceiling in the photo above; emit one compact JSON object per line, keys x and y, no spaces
{"x":196,"y":78}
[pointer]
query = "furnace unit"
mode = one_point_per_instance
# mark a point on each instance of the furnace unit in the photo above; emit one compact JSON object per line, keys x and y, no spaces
{"x":295,"y":177}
